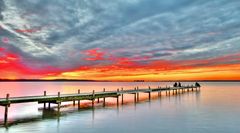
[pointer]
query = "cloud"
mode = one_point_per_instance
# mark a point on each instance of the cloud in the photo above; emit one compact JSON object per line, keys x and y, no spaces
{"x":94,"y":54}
{"x":74,"y":34}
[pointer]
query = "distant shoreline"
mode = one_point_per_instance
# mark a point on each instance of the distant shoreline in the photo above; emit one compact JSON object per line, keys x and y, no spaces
{"x":76,"y":80}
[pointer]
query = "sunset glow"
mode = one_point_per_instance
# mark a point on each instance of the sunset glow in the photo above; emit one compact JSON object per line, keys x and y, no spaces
{"x":127,"y":69}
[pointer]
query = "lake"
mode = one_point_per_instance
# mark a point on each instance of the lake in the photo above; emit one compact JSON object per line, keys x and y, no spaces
{"x":214,"y":109}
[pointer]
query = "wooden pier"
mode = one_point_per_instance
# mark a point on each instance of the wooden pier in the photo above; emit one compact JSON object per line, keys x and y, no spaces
{"x":57,"y":99}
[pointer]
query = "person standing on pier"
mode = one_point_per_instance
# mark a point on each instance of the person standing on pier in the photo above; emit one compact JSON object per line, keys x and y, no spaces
{"x":175,"y":84}
{"x":197,"y":84}
{"x":179,"y":84}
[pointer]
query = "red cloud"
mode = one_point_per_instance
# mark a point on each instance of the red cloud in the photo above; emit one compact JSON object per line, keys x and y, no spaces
{"x":124,"y":66}
{"x":2,"y":49}
{"x":94,"y":54}
{"x":12,"y":66}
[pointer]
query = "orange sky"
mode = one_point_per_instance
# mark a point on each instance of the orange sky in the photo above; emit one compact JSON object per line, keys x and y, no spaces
{"x":126,"y":69}
{"x":223,"y":72}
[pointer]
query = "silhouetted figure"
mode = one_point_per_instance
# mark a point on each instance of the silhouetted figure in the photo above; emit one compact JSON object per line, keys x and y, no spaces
{"x":175,"y":84}
{"x":197,"y":84}
{"x":179,"y":84}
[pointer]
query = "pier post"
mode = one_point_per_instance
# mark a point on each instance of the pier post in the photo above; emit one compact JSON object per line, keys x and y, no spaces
{"x":58,"y":102}
{"x":160,"y":91}
{"x":44,"y":104}
{"x":137,"y":94}
{"x":122,"y":96}
{"x":78,"y":100}
{"x":93,"y":98}
{"x":169,"y":90}
{"x":149,"y":93}
{"x":117,"y":98}
{"x":6,"y":110}
{"x":103,"y":98}
{"x":73,"y":102}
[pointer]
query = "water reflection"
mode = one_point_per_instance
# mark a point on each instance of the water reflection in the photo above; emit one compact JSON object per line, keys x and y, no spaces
{"x":214,"y":106}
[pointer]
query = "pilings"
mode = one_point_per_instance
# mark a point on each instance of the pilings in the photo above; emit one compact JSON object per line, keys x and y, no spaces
{"x":104,"y":98}
{"x":117,"y":98}
{"x":6,"y":110}
{"x":98,"y":100}
{"x":78,"y":100}
{"x":169,"y":91}
{"x":122,"y":95}
{"x":58,"y":102}
{"x":93,"y":98}
{"x":74,"y":103}
{"x":149,"y":93}
{"x":159,"y":93}
{"x":44,"y":104}
{"x":137,"y":93}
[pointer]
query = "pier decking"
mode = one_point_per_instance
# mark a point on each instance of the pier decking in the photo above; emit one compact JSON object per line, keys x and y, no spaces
{"x":57,"y":99}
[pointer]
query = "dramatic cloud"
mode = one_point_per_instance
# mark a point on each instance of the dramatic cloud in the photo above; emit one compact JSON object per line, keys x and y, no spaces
{"x":64,"y":38}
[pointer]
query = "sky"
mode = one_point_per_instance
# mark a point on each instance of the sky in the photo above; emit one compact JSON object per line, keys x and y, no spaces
{"x":120,"y":40}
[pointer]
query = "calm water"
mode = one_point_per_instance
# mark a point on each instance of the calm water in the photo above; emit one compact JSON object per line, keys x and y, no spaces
{"x":215,"y":109}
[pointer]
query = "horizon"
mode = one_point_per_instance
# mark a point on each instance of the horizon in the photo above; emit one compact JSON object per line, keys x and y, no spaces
{"x":87,"y":80}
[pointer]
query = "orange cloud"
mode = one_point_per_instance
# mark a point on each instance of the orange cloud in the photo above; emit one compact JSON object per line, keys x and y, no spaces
{"x":219,"y":68}
{"x":94,"y":54}
{"x":125,"y":68}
